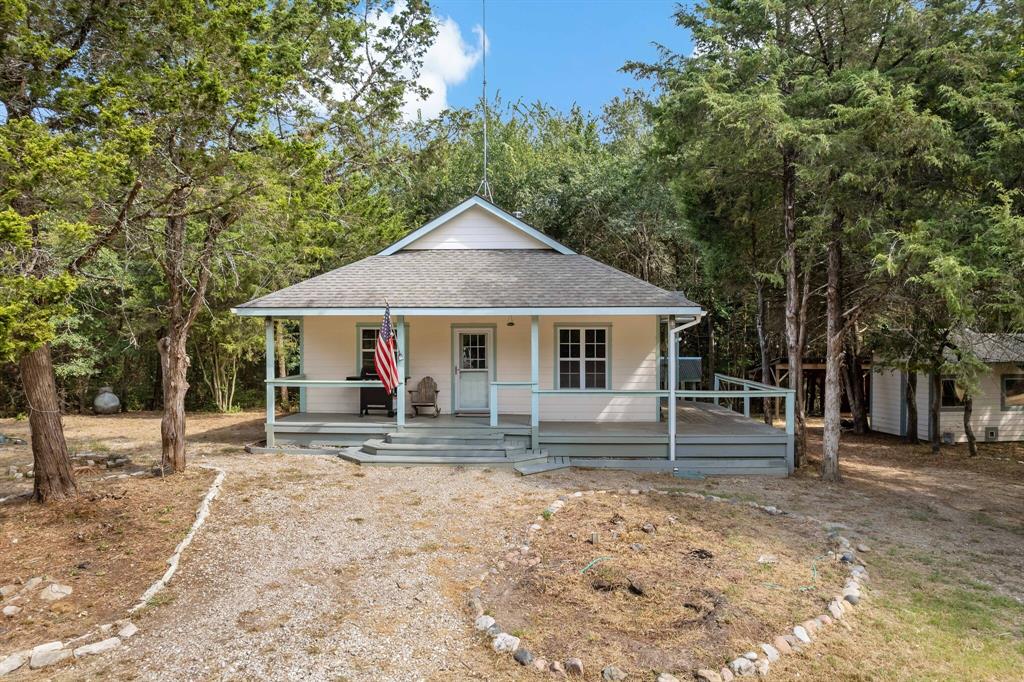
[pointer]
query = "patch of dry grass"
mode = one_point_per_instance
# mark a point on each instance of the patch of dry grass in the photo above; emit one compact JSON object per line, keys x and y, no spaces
{"x":109,"y":544}
{"x":672,"y":583}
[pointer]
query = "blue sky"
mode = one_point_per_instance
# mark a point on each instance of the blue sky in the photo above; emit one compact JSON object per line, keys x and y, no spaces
{"x":558,"y":51}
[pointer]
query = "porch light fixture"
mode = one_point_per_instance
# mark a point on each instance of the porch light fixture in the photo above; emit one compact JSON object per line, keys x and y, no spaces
{"x":511,"y":322}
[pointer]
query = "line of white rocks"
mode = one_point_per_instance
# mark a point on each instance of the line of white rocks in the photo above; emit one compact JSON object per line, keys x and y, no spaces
{"x":748,"y":664}
{"x":55,"y":652}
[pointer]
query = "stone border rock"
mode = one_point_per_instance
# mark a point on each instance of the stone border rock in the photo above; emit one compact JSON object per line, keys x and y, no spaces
{"x":172,"y":564}
{"x":749,"y":663}
{"x":54,"y":652}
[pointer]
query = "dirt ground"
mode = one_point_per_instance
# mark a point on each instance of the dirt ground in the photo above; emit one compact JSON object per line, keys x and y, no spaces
{"x":672,"y":584}
{"x":312,"y":568}
{"x":109,"y":545}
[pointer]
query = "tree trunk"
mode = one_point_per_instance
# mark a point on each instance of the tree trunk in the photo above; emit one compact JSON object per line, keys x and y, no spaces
{"x":833,"y":361}
{"x":174,"y":363}
{"x":282,"y":364}
{"x":911,"y":435}
{"x":935,"y":411}
{"x":54,"y":478}
{"x":972,"y":442}
{"x":855,"y":391}
{"x":157,"y":388}
{"x":711,"y":353}
{"x":793,"y":321}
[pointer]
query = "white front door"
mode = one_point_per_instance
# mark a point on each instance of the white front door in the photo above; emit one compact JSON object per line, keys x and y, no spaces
{"x":472,"y":370}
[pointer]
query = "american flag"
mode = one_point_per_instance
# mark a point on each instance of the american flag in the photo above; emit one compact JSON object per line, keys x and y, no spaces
{"x":384,"y":354}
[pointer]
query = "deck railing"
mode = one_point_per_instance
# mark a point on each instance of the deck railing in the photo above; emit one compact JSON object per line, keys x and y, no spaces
{"x":756,"y":389}
{"x":746,"y":391}
{"x":493,"y":403}
{"x":300,"y":381}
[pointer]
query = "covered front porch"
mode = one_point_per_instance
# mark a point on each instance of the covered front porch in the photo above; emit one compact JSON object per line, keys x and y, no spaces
{"x":572,"y":388}
{"x":528,"y":420}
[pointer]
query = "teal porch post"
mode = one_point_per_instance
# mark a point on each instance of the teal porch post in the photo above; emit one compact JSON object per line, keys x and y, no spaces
{"x":790,"y":429}
{"x":268,"y":327}
{"x":673,"y":380}
{"x":302,"y":362}
{"x":535,"y":381}
{"x":400,"y":398}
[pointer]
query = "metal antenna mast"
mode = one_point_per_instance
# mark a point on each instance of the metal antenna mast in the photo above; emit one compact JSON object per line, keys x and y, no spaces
{"x":484,"y":189}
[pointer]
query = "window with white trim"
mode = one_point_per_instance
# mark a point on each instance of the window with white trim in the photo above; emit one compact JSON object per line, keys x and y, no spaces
{"x":582,"y":358}
{"x":367,"y":344}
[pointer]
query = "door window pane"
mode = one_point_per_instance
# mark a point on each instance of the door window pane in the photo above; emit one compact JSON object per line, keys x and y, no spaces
{"x":474,"y":351}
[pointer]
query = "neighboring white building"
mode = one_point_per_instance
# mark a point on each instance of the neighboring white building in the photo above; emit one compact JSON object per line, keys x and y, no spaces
{"x":998,"y":408}
{"x":529,"y":345}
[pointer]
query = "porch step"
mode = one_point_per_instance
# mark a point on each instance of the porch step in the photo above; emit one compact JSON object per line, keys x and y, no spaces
{"x":376,"y":446}
{"x":358,"y":456}
{"x":541,"y":465}
{"x":413,"y":438}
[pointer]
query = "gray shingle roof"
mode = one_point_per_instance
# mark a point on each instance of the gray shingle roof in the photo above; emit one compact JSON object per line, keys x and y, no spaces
{"x":990,"y":347}
{"x":473,"y":279}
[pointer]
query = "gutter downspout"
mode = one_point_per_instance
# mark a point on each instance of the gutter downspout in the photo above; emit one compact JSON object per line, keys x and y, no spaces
{"x":673,"y":368}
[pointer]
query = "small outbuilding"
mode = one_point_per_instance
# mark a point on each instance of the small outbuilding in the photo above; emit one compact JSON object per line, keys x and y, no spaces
{"x":998,"y":407}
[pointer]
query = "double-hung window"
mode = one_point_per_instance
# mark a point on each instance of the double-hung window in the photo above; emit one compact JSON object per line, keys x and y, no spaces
{"x":367,"y":344}
{"x":582,"y":358}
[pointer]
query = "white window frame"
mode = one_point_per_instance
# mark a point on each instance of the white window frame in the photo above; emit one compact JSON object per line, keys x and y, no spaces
{"x":360,"y":351}
{"x":581,"y":360}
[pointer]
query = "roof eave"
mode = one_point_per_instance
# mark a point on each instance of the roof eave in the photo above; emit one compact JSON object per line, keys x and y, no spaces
{"x":681,"y":311}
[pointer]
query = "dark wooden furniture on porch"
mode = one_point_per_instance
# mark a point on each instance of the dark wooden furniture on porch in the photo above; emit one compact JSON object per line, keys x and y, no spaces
{"x":373,"y":398}
{"x":424,"y":395}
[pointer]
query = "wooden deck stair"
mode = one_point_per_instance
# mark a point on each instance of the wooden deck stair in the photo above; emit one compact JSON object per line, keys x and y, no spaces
{"x":471,"y":448}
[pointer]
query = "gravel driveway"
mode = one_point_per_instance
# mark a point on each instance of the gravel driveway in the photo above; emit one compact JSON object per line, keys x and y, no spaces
{"x":315,"y":569}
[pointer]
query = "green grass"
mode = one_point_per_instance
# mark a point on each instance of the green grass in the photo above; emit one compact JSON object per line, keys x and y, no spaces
{"x":927,"y":619}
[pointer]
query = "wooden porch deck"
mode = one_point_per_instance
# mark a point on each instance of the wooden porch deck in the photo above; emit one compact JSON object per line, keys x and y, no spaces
{"x":710,"y":439}
{"x":695,"y":420}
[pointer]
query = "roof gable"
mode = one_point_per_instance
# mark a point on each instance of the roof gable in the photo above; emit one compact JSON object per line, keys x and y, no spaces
{"x":475,"y":224}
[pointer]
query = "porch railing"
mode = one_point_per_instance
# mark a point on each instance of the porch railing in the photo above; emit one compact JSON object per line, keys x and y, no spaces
{"x":746,"y":391}
{"x":493,"y":403}
{"x":300,"y":381}
{"x":756,"y":389}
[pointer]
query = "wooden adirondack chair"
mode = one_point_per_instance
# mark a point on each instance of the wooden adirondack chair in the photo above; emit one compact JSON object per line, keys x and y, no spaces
{"x":424,"y":395}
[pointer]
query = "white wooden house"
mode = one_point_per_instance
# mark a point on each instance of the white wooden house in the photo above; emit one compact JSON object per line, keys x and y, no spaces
{"x":997,"y":410}
{"x":539,"y":354}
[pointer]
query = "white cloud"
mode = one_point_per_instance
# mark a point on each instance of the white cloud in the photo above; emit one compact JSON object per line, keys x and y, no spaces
{"x":447,"y":62}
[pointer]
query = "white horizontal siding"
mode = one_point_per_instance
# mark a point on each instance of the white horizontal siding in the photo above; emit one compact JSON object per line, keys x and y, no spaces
{"x":987,"y":410}
{"x":886,"y":400}
{"x":634,"y":366}
{"x":330,"y":353}
{"x":476,"y":228}
{"x":924,"y":388}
